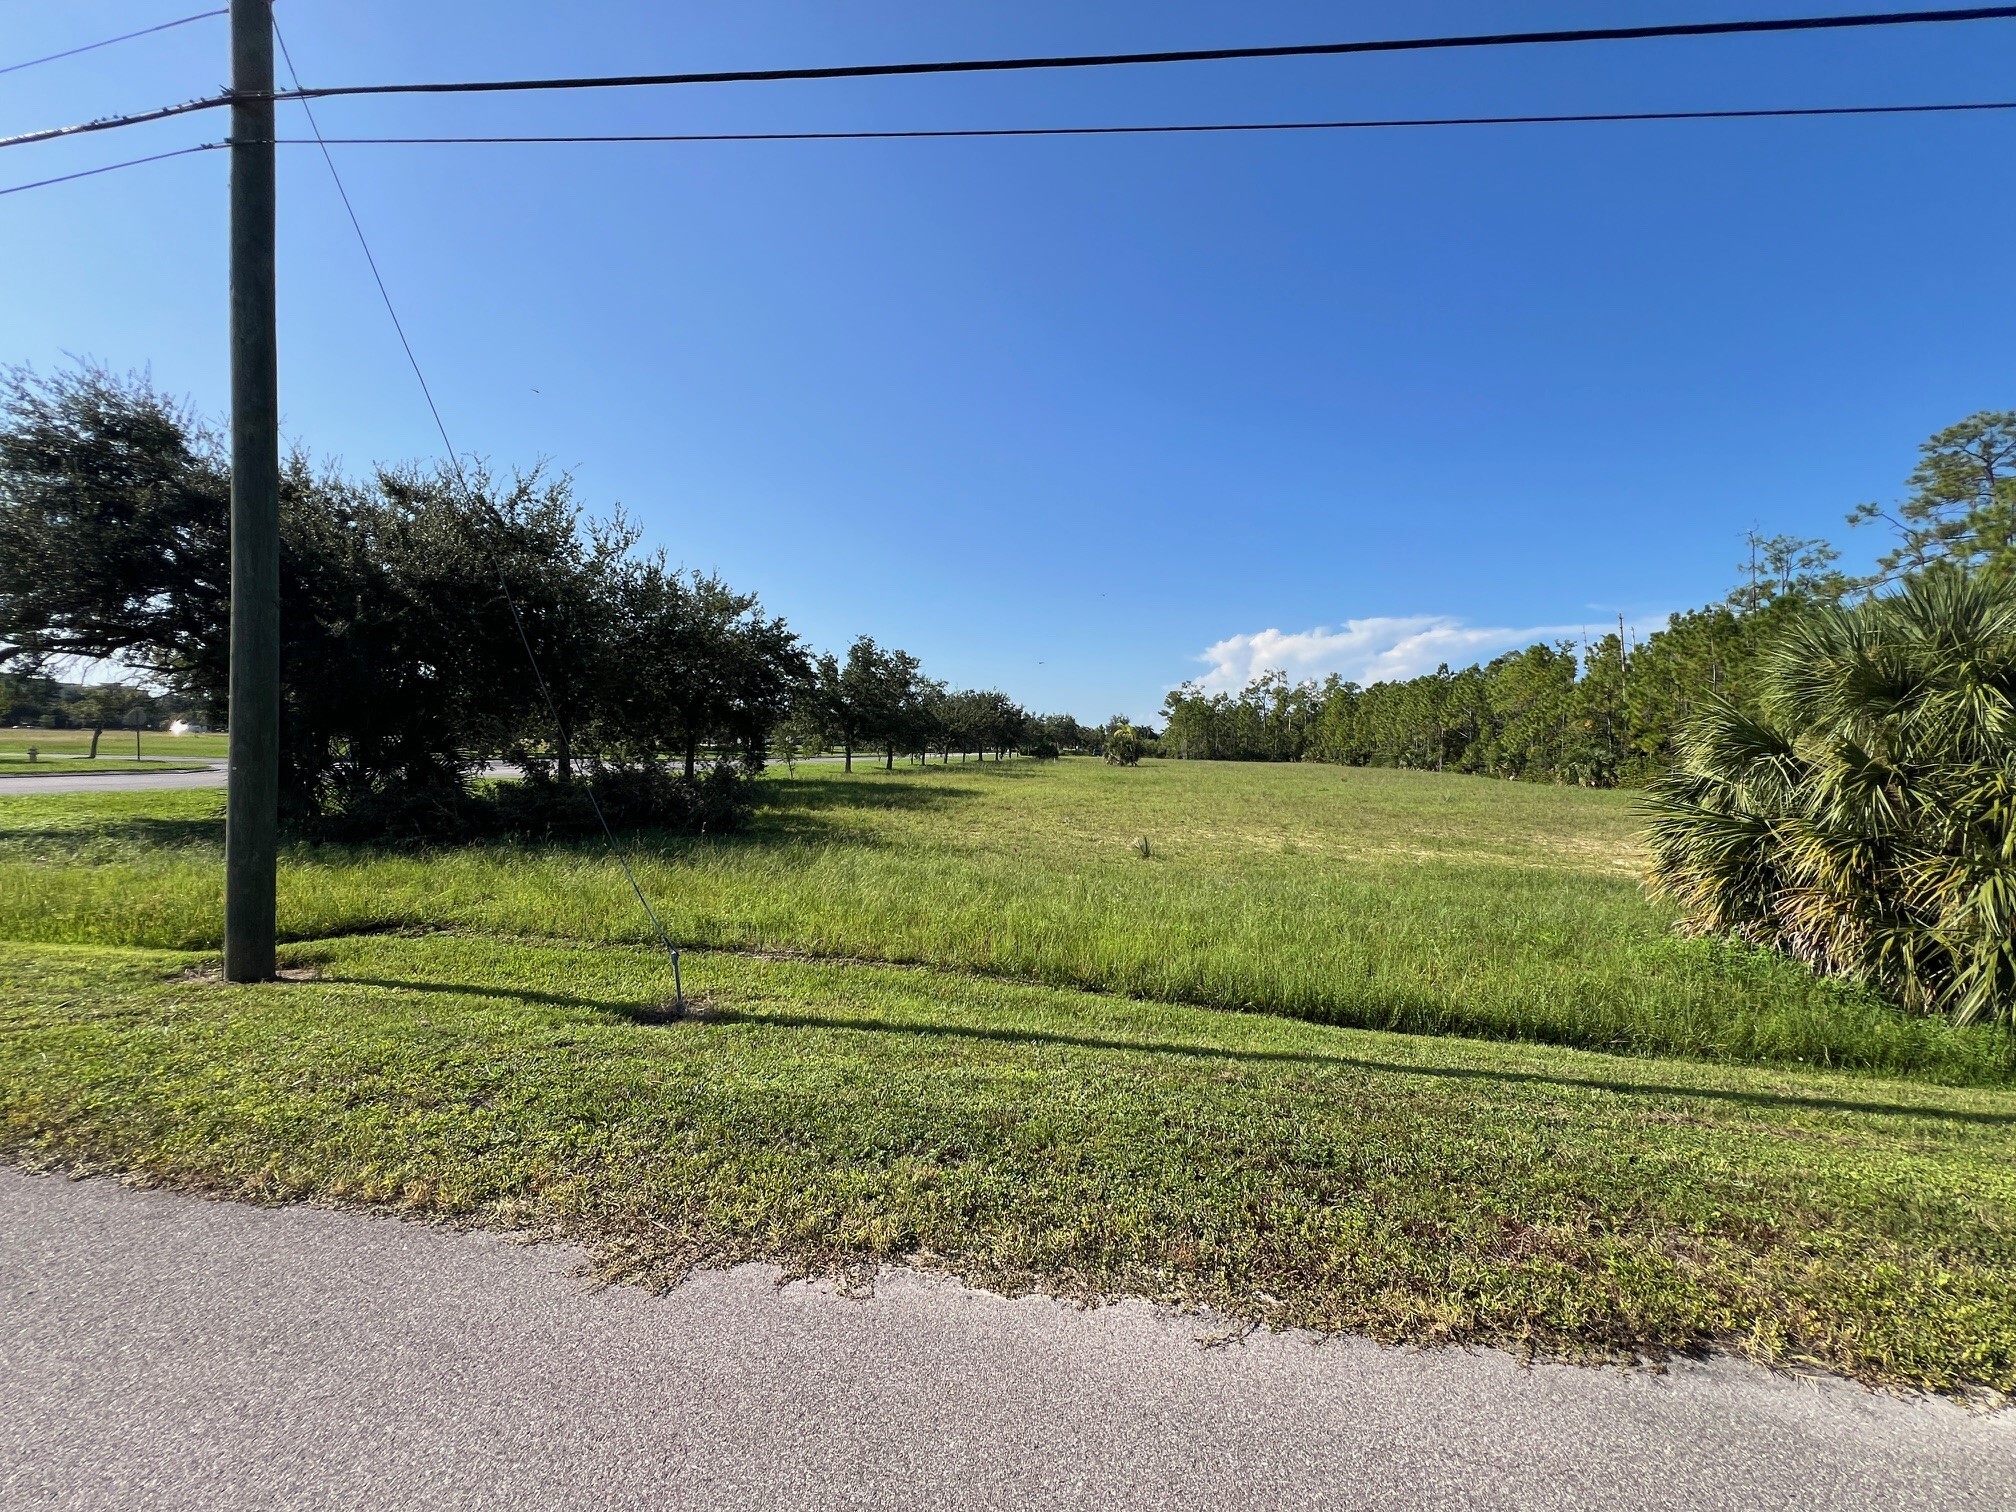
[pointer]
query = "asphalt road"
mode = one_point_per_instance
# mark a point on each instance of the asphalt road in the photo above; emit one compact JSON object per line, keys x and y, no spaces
{"x":212,"y":775}
{"x":161,"y":1351}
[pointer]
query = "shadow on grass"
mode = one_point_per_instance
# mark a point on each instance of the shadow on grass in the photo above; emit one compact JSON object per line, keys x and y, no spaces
{"x":646,"y":1010}
{"x":827,"y":805}
{"x":653,"y":1012}
{"x":832,"y":791}
{"x":1357,"y":1063}
{"x":148,"y":833}
{"x":810,"y":809}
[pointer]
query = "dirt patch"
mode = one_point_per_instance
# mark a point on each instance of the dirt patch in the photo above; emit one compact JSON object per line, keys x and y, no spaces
{"x":215,"y":974}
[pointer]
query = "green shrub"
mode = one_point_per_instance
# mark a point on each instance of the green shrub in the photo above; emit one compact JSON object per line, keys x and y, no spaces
{"x":1863,"y":821}
{"x":633,"y":795}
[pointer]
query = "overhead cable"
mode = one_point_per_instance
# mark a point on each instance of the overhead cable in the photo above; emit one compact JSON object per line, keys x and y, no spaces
{"x":113,"y":123}
{"x":84,"y":173}
{"x":1196,"y":55}
{"x":146,"y":31}
{"x":1178,"y":128}
{"x":1168,"y":129}
{"x":1788,"y":24}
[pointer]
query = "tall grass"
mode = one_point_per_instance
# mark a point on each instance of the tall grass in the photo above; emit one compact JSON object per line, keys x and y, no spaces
{"x":1390,"y":900}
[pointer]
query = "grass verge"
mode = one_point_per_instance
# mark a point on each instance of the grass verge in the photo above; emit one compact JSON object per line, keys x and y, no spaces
{"x":13,"y":765}
{"x":1020,"y":1136}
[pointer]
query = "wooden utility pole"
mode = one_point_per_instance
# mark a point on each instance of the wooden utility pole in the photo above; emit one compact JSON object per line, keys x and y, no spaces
{"x":252,"y":797}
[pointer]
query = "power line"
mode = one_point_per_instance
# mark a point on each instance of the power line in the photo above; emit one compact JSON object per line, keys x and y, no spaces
{"x":64,"y":178}
{"x":1199,"y":55}
{"x":1972,"y":107}
{"x":1177,"y":129}
{"x":1090,"y":60}
{"x":113,"y":123}
{"x":462,"y":479}
{"x":147,"y":31}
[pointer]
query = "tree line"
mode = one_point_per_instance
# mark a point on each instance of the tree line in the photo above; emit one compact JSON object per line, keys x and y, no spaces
{"x":1615,"y":710}
{"x":37,"y":700}
{"x":409,"y":601}
{"x":879,"y":700}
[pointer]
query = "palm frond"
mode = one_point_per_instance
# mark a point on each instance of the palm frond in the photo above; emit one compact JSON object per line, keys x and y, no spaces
{"x":1865,"y":822}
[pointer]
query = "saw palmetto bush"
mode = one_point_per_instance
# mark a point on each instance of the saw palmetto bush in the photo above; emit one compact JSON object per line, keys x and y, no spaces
{"x":1864,"y":819}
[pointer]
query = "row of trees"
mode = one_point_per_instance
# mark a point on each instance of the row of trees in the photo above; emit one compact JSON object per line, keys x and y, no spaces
{"x":1597,"y":714}
{"x":1615,"y":710}
{"x":879,"y":700}
{"x":409,"y":601}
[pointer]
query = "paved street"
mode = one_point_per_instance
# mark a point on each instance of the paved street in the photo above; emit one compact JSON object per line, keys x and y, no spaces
{"x":211,"y":775}
{"x":161,"y":1351}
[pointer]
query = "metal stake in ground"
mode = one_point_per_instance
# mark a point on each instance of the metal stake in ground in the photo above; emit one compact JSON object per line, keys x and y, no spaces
{"x":252,"y":798}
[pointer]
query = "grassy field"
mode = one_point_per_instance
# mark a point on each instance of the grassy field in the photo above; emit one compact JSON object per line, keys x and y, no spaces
{"x":1045,"y":1096}
{"x":1381,"y":899}
{"x":15,"y":740}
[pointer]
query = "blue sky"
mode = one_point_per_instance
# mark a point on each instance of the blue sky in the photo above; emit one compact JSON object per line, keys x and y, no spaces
{"x":1063,"y":416}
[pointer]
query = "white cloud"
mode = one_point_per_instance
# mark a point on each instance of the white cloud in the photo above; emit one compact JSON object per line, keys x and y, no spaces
{"x":1367,"y":650}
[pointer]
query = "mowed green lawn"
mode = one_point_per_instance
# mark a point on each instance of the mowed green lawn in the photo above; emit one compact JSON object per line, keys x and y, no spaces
{"x":481,"y":1038}
{"x":15,"y":740}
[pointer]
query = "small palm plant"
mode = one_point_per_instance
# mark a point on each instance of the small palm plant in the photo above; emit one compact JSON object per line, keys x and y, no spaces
{"x":1865,"y":819}
{"x":1123,"y":746}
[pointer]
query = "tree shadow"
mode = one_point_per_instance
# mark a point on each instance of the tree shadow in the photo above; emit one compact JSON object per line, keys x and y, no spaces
{"x":644,"y":1010}
{"x":798,"y":810}
{"x":1359,"y":1063}
{"x":652,"y":1011}
{"x":822,"y":791}
{"x":820,"y":805}
{"x":154,"y":833}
